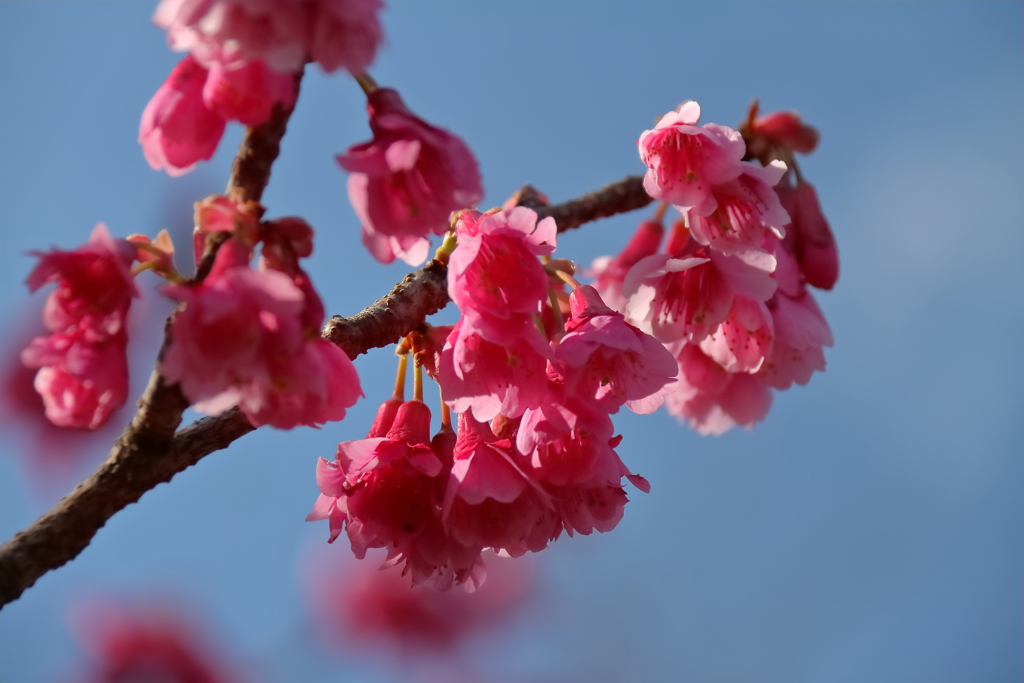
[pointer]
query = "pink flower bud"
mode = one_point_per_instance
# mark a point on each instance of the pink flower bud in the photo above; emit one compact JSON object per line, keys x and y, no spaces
{"x":177,"y":129}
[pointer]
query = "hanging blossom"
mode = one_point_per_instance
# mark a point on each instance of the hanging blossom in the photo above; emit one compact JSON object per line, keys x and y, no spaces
{"x":242,"y":62}
{"x":251,"y":336}
{"x":728,"y":296}
{"x":83,"y":369}
{"x":534,"y":454}
{"x":405,"y":182}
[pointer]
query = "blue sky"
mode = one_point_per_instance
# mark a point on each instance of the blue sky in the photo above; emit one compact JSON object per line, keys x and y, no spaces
{"x":870,"y":529}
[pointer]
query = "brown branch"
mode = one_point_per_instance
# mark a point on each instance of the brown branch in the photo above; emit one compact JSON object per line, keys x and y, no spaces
{"x":149,"y":452}
{"x":622,"y":196}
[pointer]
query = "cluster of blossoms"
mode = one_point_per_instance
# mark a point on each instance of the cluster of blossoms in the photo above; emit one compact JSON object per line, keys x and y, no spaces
{"x":728,"y":295}
{"x":534,"y":375}
{"x":83,"y":369}
{"x":243,"y":59}
{"x":251,"y":336}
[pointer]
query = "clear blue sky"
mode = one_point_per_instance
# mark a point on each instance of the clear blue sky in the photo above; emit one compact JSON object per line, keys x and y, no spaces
{"x":870,"y":530}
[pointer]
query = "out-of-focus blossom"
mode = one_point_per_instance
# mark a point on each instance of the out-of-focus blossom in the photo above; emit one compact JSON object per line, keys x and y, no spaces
{"x":787,"y":129}
{"x":405,"y":182}
{"x":686,"y":162}
{"x":135,"y":647}
{"x":177,"y":128}
{"x":812,"y":241}
{"x":83,"y":370}
{"x":334,"y":33}
{"x":244,"y":338}
{"x":247,"y":92}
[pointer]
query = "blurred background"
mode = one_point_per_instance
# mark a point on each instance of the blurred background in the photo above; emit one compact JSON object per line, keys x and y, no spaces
{"x":870,"y":530}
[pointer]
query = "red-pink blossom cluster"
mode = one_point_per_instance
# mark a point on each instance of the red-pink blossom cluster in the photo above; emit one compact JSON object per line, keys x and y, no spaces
{"x":243,"y":60}
{"x":83,"y":369}
{"x":728,"y":295}
{"x":405,"y":182}
{"x":251,"y":336}
{"x":534,"y":454}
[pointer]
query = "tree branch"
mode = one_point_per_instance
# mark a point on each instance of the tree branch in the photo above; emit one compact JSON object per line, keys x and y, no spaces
{"x":150,"y":452}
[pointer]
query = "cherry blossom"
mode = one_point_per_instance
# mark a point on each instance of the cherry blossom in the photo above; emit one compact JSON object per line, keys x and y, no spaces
{"x":405,"y":182}
{"x":609,"y":273}
{"x":687,"y":162}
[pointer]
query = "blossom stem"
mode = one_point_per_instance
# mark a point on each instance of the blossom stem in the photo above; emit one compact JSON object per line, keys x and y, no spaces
{"x":446,"y":412}
{"x":403,"y":364}
{"x":444,"y":251}
{"x":417,"y":382}
{"x":659,"y":213}
{"x":365,"y":82}
{"x":556,"y":310}
{"x":567,"y":279}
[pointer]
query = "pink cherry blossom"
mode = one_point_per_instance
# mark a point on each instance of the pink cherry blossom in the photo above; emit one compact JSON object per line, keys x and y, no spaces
{"x":746,"y":207}
{"x":177,"y":129}
{"x":334,"y":33}
{"x":495,"y":271}
{"x":491,"y":379}
{"x":609,"y":361}
{"x":82,"y":381}
{"x":712,"y":400}
{"x":609,"y":272}
{"x":801,"y":332}
{"x":410,"y":177}
{"x":490,"y":501}
{"x":246,"y":338}
{"x":247,"y":92}
{"x":687,"y":162}
{"x":94,"y":285}
{"x":688,"y":297}
{"x":217,"y":213}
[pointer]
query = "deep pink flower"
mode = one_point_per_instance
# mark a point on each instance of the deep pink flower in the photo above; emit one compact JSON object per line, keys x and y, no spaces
{"x":490,"y":501}
{"x":82,"y":381}
{"x":491,"y":379}
{"x":712,"y":400}
{"x":334,"y":33}
{"x":746,"y":207}
{"x":609,"y":272}
{"x":609,"y":361}
{"x":218,"y":213}
{"x":687,"y":162}
{"x":247,"y":92}
{"x":386,"y":248}
{"x":801,"y":333}
{"x":494,"y":271}
{"x":410,"y":177}
{"x":689,"y":296}
{"x":177,"y":129}
{"x":94,"y":285}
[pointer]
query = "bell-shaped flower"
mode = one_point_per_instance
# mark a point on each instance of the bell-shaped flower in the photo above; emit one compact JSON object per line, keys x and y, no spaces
{"x":686,"y":162}
{"x":689,"y":296}
{"x":247,"y":92}
{"x":410,"y":177}
{"x":177,"y":128}
{"x":713,"y":400}
{"x":488,"y":378}
{"x":606,"y":360}
{"x":744,"y":339}
{"x":746,"y":207}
